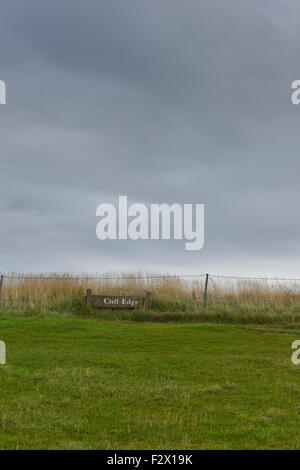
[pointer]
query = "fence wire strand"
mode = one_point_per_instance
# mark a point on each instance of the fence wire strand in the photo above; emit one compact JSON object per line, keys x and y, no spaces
{"x":120,"y":278}
{"x":103,"y":278}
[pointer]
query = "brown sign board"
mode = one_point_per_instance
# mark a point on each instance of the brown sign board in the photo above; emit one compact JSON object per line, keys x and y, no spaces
{"x":117,"y":301}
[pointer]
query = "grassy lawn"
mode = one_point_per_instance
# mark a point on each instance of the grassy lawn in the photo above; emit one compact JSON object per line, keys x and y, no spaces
{"x":73,"y":383}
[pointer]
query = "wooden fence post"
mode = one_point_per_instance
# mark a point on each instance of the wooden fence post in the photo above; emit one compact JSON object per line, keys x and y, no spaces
{"x":205,"y":290}
{"x":1,"y":282}
{"x":89,"y":297}
{"x":147,"y":300}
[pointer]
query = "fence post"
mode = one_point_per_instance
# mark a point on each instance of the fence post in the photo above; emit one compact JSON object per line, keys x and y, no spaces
{"x":147,"y":300}
{"x":89,"y":297}
{"x":1,"y":282}
{"x":205,"y":290}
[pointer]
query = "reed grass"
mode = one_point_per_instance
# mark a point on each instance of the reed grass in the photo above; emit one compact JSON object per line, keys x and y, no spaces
{"x":174,"y":298}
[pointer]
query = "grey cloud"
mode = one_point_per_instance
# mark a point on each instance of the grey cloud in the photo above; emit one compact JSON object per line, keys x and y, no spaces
{"x":162,"y":101}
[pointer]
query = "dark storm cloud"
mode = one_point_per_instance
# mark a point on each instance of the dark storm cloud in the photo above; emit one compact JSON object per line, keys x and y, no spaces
{"x":165,"y":101}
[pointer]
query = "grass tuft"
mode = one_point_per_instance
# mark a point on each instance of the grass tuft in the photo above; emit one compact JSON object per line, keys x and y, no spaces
{"x":174,"y":299}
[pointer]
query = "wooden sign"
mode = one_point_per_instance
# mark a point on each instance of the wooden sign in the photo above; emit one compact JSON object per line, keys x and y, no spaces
{"x":117,"y":301}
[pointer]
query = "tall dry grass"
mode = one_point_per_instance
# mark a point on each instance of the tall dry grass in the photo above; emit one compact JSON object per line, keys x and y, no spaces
{"x":174,"y":299}
{"x":45,"y":287}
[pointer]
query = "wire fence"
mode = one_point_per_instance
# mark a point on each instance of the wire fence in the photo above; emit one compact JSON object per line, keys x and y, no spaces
{"x":17,"y":289}
{"x":133,"y":277}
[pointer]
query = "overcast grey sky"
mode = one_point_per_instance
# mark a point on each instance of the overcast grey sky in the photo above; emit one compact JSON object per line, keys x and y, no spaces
{"x":160,"y":100}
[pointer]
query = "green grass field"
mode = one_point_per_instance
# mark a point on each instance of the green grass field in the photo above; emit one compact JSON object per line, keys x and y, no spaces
{"x":74,"y":383}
